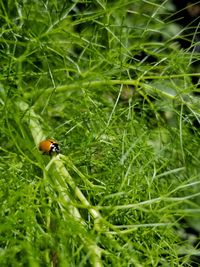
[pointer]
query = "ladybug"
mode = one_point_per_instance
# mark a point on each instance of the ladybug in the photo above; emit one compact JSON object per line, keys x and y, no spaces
{"x":49,"y":146}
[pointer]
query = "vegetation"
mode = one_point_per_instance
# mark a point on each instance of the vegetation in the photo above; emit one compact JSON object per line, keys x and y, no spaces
{"x":110,"y":82}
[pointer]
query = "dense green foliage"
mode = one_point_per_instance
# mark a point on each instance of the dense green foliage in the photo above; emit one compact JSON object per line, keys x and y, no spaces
{"x":109,"y":81}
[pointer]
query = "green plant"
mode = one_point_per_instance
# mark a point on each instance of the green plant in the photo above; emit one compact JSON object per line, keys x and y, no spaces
{"x":108,"y":81}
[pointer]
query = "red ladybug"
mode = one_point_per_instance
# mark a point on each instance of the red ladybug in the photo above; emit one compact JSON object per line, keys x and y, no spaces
{"x":49,"y":146}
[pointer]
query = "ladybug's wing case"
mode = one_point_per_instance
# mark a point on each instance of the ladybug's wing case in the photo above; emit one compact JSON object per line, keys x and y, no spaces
{"x":45,"y":146}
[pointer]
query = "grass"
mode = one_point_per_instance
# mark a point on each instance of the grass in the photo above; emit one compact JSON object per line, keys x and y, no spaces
{"x":109,"y":81}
